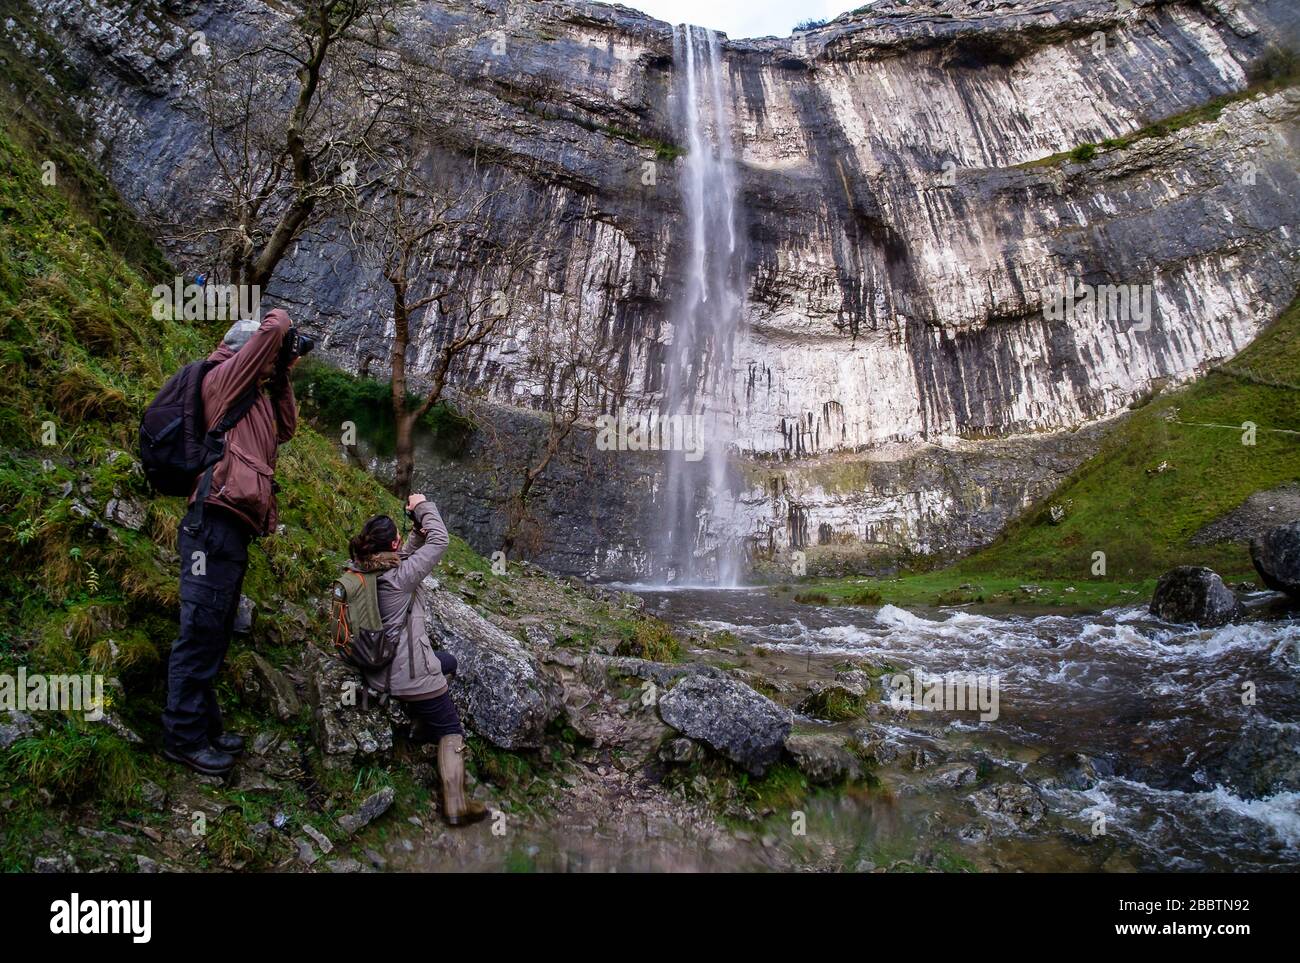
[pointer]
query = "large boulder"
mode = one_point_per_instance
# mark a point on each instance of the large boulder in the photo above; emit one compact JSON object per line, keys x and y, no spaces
{"x":348,"y":723}
{"x":1194,"y":594}
{"x":1276,"y":555}
{"x":748,"y":728}
{"x":501,"y":690}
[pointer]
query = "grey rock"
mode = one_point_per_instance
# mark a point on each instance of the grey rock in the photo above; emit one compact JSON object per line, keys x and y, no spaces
{"x":125,"y":512}
{"x":823,"y":757}
{"x":940,"y":299}
{"x":955,"y":775}
{"x":345,"y":865}
{"x":748,"y":728}
{"x":268,"y":687}
{"x":245,"y":616}
{"x":374,"y":806}
{"x":501,"y":689}
{"x":323,"y":841}
{"x":15,"y":725}
{"x":1276,"y":555}
{"x":62,"y":863}
{"x":1194,"y":594}
{"x":1015,"y":804}
{"x":346,"y":723}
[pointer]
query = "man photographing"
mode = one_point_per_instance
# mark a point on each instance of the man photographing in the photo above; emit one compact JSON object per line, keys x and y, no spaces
{"x":247,"y":392}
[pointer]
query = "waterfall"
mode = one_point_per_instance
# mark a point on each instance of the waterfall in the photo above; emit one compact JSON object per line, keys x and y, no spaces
{"x":698,"y":541}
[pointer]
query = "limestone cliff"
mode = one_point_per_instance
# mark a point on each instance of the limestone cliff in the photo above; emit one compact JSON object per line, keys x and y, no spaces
{"x":896,"y":380}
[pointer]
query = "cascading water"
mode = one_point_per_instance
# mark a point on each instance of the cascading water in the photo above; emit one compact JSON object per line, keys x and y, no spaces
{"x":696,"y":543}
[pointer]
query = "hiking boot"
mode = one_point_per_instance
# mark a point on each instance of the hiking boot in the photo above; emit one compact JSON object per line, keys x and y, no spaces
{"x":205,"y":760}
{"x":456,"y":809}
{"x":230,"y":742}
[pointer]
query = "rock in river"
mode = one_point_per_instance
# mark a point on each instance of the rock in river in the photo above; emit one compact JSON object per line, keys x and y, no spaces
{"x":1276,"y":555}
{"x":1194,"y":594}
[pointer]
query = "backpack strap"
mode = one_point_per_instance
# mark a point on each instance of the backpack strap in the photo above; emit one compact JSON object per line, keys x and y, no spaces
{"x":233,"y":416}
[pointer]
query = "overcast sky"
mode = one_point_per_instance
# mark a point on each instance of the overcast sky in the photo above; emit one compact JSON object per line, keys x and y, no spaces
{"x":744,"y":18}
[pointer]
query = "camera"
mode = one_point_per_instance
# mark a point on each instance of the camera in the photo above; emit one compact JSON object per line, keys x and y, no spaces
{"x":295,"y":345}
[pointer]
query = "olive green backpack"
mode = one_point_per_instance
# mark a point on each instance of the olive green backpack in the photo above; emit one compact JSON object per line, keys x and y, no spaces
{"x":359,"y":636}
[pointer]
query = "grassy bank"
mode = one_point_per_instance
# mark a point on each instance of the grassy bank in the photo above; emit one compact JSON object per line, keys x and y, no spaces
{"x":1164,"y":473}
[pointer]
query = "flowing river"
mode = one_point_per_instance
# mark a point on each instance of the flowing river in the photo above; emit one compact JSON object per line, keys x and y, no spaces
{"x":1140,"y":738}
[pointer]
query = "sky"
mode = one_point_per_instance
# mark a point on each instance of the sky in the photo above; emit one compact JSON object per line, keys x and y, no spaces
{"x":744,"y":18}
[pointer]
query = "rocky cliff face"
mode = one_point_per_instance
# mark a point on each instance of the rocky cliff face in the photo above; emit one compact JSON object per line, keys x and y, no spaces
{"x":906,"y":222}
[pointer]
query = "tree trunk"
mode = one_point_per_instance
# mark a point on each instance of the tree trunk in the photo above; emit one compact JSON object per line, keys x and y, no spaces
{"x":404,"y":470}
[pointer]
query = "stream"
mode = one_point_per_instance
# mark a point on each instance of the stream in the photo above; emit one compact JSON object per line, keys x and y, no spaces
{"x":1157,"y":709}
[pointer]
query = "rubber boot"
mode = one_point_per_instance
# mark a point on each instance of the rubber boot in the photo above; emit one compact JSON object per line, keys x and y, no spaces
{"x":456,"y":809}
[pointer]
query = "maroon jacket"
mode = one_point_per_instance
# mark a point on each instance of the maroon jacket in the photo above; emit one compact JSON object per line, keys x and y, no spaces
{"x":241,"y":481}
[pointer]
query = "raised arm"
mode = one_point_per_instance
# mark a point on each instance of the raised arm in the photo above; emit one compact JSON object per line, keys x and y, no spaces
{"x":234,"y":376}
{"x":421,"y":552}
{"x":286,"y":406}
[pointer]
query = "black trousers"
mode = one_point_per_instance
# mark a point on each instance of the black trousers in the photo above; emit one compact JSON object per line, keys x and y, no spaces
{"x":214,"y":558}
{"x":436,"y":717}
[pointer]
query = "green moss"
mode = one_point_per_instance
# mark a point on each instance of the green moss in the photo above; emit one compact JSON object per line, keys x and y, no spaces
{"x":835,"y":704}
{"x":74,"y":761}
{"x":648,"y":638}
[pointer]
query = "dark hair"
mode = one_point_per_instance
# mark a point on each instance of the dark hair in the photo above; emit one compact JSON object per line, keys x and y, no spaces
{"x":375,"y":536}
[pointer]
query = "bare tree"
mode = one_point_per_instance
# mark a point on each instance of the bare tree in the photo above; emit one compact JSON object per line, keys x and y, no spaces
{"x":284,"y":121}
{"x":451,"y":274}
{"x":573,"y":374}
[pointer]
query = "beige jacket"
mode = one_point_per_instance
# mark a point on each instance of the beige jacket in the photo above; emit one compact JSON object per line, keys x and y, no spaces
{"x":415,"y":670}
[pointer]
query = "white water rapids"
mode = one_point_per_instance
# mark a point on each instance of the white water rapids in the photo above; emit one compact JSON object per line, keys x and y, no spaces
{"x":1180,"y":758}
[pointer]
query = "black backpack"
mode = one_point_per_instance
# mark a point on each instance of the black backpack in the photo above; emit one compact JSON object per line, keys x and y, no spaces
{"x":175,"y":447}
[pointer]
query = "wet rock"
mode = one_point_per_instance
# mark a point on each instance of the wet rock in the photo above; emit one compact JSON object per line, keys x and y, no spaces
{"x":823,"y":757}
{"x":1072,"y":770}
{"x":374,"y":806}
{"x":606,"y":670}
{"x":748,"y":728}
{"x":1264,"y":760}
{"x":1276,"y":555}
{"x":1016,"y":804}
{"x":346,"y":722}
{"x":955,"y":775}
{"x":1196,"y":595}
{"x":501,"y":689}
{"x":268,"y":687}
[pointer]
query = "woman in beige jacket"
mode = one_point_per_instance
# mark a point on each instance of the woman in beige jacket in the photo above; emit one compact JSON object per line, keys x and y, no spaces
{"x":418,"y":675}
